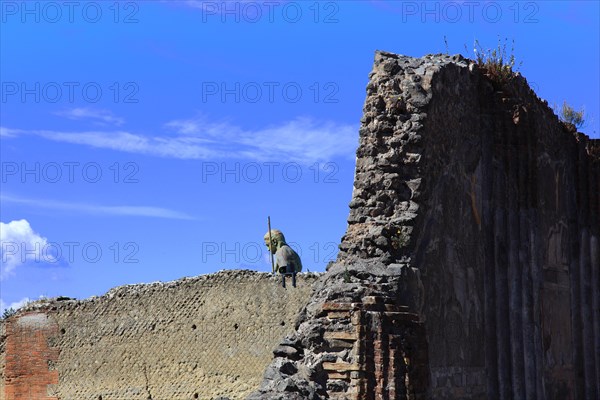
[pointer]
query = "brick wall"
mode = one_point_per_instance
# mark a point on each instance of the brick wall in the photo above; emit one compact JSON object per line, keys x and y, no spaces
{"x":388,"y":349}
{"x":200,"y":337}
{"x":29,"y":360}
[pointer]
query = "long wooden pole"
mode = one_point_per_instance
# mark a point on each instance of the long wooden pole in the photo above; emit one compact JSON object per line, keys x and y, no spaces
{"x":270,"y":244}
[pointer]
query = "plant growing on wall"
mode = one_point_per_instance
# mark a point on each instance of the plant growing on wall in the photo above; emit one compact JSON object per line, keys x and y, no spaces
{"x":9,"y":312}
{"x":399,"y":239}
{"x":568,"y":115}
{"x":498,"y":63}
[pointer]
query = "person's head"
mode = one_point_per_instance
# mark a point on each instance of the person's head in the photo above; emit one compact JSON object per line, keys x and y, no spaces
{"x":277,"y":240}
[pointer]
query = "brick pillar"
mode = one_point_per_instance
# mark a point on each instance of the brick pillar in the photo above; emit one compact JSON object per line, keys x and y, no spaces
{"x":388,"y":346}
{"x":28,"y":356}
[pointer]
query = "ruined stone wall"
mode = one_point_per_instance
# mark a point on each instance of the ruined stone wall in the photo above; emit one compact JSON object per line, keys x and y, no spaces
{"x":2,"y":358}
{"x":478,"y":186}
{"x":195,"y":338}
{"x":477,"y":209}
{"x":521,"y":191}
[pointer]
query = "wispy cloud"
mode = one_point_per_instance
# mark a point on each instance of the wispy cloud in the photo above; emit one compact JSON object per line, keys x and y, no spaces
{"x":7,"y":133}
{"x":301,"y":140}
{"x":96,"y":209}
{"x":98,"y":116}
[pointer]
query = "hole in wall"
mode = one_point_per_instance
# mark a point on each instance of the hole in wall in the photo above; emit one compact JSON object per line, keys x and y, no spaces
{"x":195,"y":395}
{"x":100,"y":397}
{"x":235,"y":326}
{"x":62,"y":331}
{"x":194,"y":326}
{"x":282,"y":323}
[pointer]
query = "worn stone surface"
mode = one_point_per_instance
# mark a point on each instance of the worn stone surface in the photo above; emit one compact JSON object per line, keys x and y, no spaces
{"x":327,"y":333}
{"x":478,"y":209}
{"x":207,"y":336}
{"x":2,"y":359}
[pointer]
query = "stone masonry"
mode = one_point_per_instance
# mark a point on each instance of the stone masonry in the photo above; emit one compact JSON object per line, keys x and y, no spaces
{"x":195,"y":338}
{"x":476,"y":211}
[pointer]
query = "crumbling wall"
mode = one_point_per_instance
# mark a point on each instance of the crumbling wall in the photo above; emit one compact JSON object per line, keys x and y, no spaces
{"x":2,"y":358}
{"x":195,"y":338}
{"x":505,"y":242}
{"x":476,"y":208}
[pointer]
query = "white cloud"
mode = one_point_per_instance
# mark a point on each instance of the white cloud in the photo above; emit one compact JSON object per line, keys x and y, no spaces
{"x":99,"y":116}
{"x":15,"y":305}
{"x":301,"y":140}
{"x":137,"y":211}
{"x":19,"y":245}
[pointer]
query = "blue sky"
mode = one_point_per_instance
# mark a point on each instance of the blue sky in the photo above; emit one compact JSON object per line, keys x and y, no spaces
{"x":149,"y":140}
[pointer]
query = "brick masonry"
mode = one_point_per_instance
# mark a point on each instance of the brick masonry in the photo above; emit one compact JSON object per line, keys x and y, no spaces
{"x":29,"y":358}
{"x":388,"y":351}
{"x":201,"y":337}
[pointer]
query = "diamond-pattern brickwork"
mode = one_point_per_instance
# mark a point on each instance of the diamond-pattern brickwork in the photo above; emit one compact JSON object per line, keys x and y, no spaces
{"x":196,"y":338}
